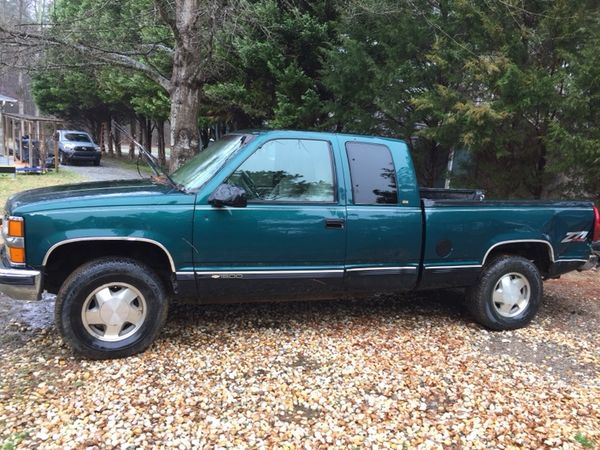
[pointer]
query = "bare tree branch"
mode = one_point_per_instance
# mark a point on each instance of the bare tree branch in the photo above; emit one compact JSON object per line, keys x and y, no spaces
{"x":27,"y":38}
{"x":166,"y":12}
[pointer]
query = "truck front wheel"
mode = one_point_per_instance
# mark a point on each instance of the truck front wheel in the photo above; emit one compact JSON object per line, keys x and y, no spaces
{"x":507,"y":295}
{"x":111,"y":308}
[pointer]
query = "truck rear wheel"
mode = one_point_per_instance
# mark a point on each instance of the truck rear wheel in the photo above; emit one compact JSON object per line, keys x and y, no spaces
{"x":111,"y":308}
{"x":507,"y":295}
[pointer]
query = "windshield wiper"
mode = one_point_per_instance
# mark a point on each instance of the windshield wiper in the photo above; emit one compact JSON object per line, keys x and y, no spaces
{"x":150,"y":160}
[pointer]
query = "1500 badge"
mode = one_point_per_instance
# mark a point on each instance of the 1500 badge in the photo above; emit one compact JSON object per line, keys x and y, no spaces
{"x":575,"y":236}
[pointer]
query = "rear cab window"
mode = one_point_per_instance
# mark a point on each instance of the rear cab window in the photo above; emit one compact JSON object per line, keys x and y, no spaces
{"x":372,"y":174}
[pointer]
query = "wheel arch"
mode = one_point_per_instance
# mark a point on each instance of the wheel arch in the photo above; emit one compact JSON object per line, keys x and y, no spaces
{"x":65,"y":256}
{"x":537,"y":250}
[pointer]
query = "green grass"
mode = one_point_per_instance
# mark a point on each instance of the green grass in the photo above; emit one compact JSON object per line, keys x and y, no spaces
{"x":10,"y":184}
{"x":127,"y":163}
{"x":12,"y":442}
{"x":585,"y":442}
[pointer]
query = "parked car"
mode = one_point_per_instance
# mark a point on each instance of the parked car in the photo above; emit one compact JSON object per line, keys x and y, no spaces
{"x":279,"y":215}
{"x":74,"y":145}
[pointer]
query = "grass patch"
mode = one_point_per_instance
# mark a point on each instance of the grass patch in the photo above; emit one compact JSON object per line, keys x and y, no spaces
{"x":585,"y":442}
{"x":12,"y":442}
{"x":10,"y":185}
{"x":127,"y":163}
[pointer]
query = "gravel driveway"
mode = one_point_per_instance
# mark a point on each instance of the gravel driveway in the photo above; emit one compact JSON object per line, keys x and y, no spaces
{"x":110,"y":169}
{"x":402,"y":372}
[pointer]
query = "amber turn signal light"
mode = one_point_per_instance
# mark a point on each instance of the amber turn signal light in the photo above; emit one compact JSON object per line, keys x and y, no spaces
{"x":15,"y":227}
{"x":16,"y":255}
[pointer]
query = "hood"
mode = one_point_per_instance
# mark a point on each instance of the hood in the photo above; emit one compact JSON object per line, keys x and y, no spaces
{"x":95,"y":194}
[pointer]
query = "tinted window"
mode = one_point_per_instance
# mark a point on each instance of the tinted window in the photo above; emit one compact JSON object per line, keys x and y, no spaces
{"x":288,"y":170}
{"x":373,"y":174}
{"x":77,"y":137}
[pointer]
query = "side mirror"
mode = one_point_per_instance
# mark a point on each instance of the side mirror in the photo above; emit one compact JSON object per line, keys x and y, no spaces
{"x":228,"y":195}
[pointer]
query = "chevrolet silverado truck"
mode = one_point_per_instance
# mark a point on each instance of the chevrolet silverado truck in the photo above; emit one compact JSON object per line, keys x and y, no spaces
{"x":279,"y":215}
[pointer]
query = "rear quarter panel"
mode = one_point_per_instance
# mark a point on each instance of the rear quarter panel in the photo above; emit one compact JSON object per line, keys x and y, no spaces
{"x":472,"y":230}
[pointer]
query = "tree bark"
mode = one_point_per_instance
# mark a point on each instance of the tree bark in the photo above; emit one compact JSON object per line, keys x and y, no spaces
{"x":186,"y":82}
{"x":185,"y":106}
{"x":160,"y":131}
{"x":102,"y":137}
{"x":132,"y":127}
{"x":109,"y":137}
{"x":117,"y":139}
{"x":149,"y":130}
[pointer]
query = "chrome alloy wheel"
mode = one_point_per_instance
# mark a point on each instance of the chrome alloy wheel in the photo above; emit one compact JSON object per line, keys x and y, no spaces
{"x":511,"y":295}
{"x":113,"y":312}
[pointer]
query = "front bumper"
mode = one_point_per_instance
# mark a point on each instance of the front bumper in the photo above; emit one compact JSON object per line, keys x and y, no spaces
{"x":84,"y":156}
{"x":20,"y":284}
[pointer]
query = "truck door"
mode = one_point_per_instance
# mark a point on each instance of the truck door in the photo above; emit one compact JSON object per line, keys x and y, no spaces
{"x":289,"y":241}
{"x":384,"y":231}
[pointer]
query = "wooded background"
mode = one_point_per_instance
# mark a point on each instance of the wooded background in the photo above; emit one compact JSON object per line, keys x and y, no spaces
{"x":513,"y":85}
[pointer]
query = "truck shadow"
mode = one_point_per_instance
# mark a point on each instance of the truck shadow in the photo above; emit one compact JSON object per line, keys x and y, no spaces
{"x":439,"y":307}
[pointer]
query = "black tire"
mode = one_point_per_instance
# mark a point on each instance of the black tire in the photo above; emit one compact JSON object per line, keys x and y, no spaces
{"x":97,"y":162}
{"x":63,"y":159}
{"x":480,"y":297}
{"x":77,"y":291}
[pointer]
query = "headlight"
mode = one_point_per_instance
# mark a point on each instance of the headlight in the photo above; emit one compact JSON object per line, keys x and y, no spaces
{"x":69,"y":146}
{"x":13,"y":233}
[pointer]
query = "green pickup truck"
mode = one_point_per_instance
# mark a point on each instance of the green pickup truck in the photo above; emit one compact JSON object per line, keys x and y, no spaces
{"x":279,"y":215}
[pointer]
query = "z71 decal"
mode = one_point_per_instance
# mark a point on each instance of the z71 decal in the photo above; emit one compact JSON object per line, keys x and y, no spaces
{"x":575,"y":236}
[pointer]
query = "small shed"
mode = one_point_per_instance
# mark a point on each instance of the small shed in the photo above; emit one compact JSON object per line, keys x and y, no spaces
{"x":4,"y":160}
{"x":30,"y":140}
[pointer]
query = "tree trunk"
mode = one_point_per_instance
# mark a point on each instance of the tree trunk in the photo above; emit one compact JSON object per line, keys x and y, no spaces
{"x":142,"y":136}
{"x":142,"y":133}
{"x":102,"y":137}
{"x":539,"y":183}
{"x":117,"y":139}
{"x":109,"y":137}
{"x":185,"y":97}
{"x":185,"y":139}
{"x":149,"y":130}
{"x":132,"y":128}
{"x":160,"y":131}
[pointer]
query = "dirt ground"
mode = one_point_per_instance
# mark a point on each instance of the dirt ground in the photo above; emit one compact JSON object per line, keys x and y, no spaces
{"x":405,"y":372}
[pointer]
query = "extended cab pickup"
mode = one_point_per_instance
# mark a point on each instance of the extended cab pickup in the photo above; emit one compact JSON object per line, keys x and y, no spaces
{"x":279,"y":215}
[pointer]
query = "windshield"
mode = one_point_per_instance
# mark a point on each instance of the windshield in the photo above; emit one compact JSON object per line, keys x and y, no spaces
{"x":208,"y":162}
{"x":77,"y":137}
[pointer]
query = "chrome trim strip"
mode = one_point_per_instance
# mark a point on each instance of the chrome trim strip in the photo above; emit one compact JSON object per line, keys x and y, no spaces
{"x":265,"y":272}
{"x":466,"y":266}
{"x":131,"y":239}
{"x":379,"y":269}
{"x":570,"y":260}
{"x":518,"y":241}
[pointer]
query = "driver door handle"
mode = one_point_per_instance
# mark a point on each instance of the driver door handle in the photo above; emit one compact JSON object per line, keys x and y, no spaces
{"x":334,"y":223}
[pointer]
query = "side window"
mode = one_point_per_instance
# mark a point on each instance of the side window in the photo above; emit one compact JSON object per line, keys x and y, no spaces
{"x":372,"y":173}
{"x":288,"y":170}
